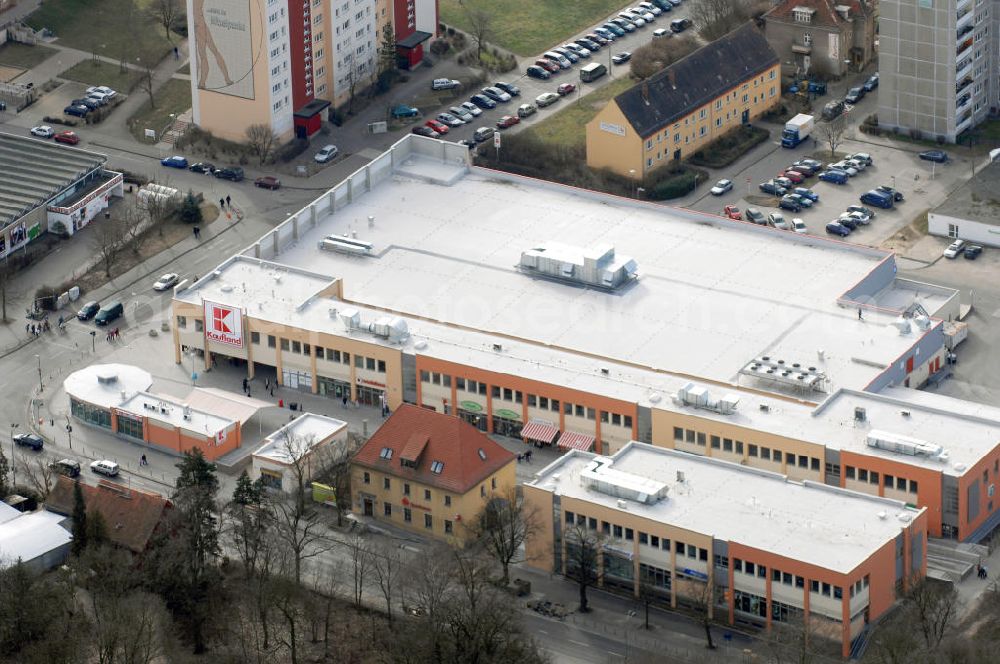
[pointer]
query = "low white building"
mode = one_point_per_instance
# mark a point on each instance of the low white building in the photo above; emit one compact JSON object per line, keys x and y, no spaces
{"x":971,"y":212}
{"x":307,"y":440}
{"x":36,"y":539}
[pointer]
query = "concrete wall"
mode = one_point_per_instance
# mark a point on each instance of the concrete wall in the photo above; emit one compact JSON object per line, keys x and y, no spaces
{"x":967,"y":229}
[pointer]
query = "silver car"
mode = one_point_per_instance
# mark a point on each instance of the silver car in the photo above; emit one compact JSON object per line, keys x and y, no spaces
{"x":461,"y":113}
{"x":472,"y":109}
{"x":450,"y":120}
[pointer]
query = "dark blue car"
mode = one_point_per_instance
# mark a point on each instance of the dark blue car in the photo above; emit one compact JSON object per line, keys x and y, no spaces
{"x":877,"y":198}
{"x":482,"y":101}
{"x":78,"y":110}
{"x":175,"y":162}
{"x":836,"y":228}
{"x":834,"y":176}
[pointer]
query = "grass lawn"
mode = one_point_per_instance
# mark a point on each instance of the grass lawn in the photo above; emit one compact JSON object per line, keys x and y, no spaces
{"x":528,"y":27}
{"x":174,"y":97}
{"x":566,"y":127}
{"x":13,"y":54}
{"x":186,"y":69}
{"x":98,"y":72}
{"x":101,"y":26}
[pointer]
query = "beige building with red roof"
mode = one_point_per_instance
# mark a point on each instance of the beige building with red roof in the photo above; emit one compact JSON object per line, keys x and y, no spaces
{"x":429,"y":473}
{"x":822,"y":36}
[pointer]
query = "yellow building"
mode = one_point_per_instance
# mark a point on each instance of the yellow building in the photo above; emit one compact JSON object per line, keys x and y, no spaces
{"x":429,"y":473}
{"x":719,"y":87}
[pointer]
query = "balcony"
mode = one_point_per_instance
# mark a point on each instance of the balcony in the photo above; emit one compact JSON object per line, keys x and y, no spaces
{"x":963,"y":124}
{"x":964,"y":69}
{"x":965,"y":82}
{"x":964,"y":46}
{"x":964,"y":30}
{"x":964,"y":19}
{"x":964,"y":103}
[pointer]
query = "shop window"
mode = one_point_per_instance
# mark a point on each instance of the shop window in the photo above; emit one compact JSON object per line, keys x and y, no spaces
{"x":777,"y":456}
{"x":370,"y":363}
{"x":381,"y":369}
{"x":285,"y":345}
{"x":271,"y":340}
{"x":678,"y":434}
{"x":591,"y":414}
{"x":306,"y":349}
{"x":701,"y":439}
{"x":387,"y":510}
{"x":617,"y":530}
{"x":182,"y":322}
{"x":359,"y":362}
{"x":849,"y":472}
{"x":296,"y":347}
{"x":543,"y":402}
{"x":579,"y":410}
{"x":425,"y":377}
{"x":616,"y":419}
{"x":716,"y":442}
{"x":629,"y":534}
{"x":753,"y":450}
{"x":627,"y":421}
{"x":727,"y":445}
{"x":198,"y":325}
{"x":814,"y":463}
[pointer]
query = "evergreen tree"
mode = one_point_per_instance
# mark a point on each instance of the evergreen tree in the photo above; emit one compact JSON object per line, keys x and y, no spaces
{"x":247,"y":491}
{"x":190,"y":211}
{"x":4,"y":474}
{"x":79,"y":520}
{"x":97,"y":530}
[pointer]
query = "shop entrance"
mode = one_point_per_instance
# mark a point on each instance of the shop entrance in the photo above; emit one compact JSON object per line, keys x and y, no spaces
{"x":330,"y":387}
{"x":504,"y":426}
{"x":477,"y":420}
{"x":370,"y":396}
{"x":369,"y":507}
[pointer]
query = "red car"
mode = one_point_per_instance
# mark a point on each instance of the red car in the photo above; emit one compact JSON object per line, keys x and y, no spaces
{"x":565,"y":88}
{"x":68,"y":137}
{"x":794,"y":176}
{"x":267,"y":182}
{"x":439,"y":127}
{"x":548,"y":65}
{"x":507,"y":121}
{"x":733,"y":212}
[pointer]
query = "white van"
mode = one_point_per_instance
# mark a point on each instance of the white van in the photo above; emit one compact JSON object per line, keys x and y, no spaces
{"x":104,"y":467}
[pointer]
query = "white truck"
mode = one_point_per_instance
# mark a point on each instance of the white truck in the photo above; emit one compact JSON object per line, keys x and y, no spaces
{"x":797,"y":130}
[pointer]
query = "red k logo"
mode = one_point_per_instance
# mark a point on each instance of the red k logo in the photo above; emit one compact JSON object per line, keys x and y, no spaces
{"x":222,"y":320}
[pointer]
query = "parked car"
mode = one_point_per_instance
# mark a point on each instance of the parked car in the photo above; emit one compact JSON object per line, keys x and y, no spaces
{"x":772,"y":188}
{"x":621,"y":58}
{"x":812,"y":163}
{"x":789,"y":203}
{"x":783,"y":182}
{"x":877,"y":198}
{"x":439,"y":127}
{"x":833,"y":109}
{"x":79,"y":110}
{"x":483,"y":134}
{"x":67,"y":137}
{"x":845,"y":167}
{"x":806,"y":193}
{"x":483,"y":102}
{"x":858,"y":164}
{"x":67,"y":467}
{"x":615,"y":29}
{"x":570,"y":55}
{"x":795,"y":176}
{"x":234,"y":173}
{"x":972,"y":251}
{"x":799,"y":226}
{"x":938,"y":156}
{"x":267,"y":182}
{"x":897,"y":195}
{"x":43,"y":131}
{"x":548,"y":65}
{"x":721,"y":187}
{"x":507,"y":121}
{"x":450,"y":120}
{"x":104,"y":467}
{"x":854,"y":95}
{"x":836,"y":228}
{"x":526,"y":110}
{"x":602,"y":39}
{"x":108,"y":313}
{"x":624,"y":25}
{"x":31,"y":440}
{"x":592,"y":43}
{"x":650,"y":7}
{"x":565,"y":89}
{"x":801,"y":200}
{"x":166,"y":281}
{"x":176,"y":161}
{"x":425,"y":131}
{"x":732,"y":212}
{"x":777,"y":220}
{"x":833,"y":176}
{"x":680,"y":24}
{"x":863,"y":157}
{"x":807,"y":170}
{"x":582,"y":52}
{"x":103,"y":89}
{"x":847,"y":220}
{"x":88,"y":310}
{"x":546,"y":99}
{"x":756,"y":216}
{"x":661,"y":32}
{"x":536,"y":71}
{"x":496,"y":94}
{"x":473,"y":110}
{"x":444,"y":84}
{"x":326,"y":153}
{"x":954,"y":248}
{"x":91,"y":104}
{"x":862,"y":210}
{"x":558,"y":58}
{"x":404,"y":111}
{"x":462,"y":113}
{"x":871,"y":83}
{"x":203,"y":167}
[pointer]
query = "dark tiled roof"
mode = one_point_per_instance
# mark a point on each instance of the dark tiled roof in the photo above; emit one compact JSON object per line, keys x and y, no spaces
{"x":823,"y":15}
{"x":696,"y":80}
{"x":131,"y":515}
{"x":433,"y":438}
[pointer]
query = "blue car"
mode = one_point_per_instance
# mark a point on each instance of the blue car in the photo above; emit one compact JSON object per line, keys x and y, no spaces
{"x":483,"y":102}
{"x":175,"y":162}
{"x":835,"y":228}
{"x":78,"y":110}
{"x":834,"y":176}
{"x":805,"y":192}
{"x":877,"y":198}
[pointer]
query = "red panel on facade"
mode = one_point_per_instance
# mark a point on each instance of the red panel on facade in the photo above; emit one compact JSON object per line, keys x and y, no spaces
{"x":300,"y":52}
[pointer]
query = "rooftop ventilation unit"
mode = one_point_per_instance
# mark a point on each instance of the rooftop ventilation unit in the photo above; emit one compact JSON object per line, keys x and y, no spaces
{"x":392,"y":328}
{"x":596,"y":267}
{"x":600,"y":476}
{"x":351,"y":318}
{"x":900,"y":444}
{"x":792,"y":374}
{"x":902,"y":324}
{"x":699,"y":397}
{"x":860,"y":414}
{"x":107,"y":378}
{"x":346,"y":245}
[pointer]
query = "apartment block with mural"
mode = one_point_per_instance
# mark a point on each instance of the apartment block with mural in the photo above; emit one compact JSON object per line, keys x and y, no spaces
{"x":283,"y":63}
{"x":680,"y":110}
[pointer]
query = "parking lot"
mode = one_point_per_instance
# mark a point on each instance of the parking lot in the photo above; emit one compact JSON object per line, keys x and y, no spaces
{"x":532,"y":88}
{"x":52,"y":104}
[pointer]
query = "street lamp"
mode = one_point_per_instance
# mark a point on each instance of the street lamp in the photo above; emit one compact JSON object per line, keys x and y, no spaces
{"x":39,"y":358}
{"x":13,"y":466}
{"x":631,"y":174}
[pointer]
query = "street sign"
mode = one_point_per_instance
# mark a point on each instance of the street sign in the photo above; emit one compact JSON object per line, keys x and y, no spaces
{"x":496,"y":140}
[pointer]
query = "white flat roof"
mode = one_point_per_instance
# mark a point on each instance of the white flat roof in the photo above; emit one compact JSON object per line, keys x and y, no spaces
{"x":173,"y":412}
{"x":94,"y":384}
{"x":302,"y":433}
{"x":449,"y":253}
{"x":31,"y":535}
{"x":809,"y":522}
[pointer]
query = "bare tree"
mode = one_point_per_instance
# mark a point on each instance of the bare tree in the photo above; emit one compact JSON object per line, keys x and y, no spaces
{"x":716,"y":18}
{"x":659,"y":54}
{"x":583,"y":549}
{"x":832,"y":133}
{"x":502,"y":526}
{"x":361,"y":564}
{"x":134,"y":220}
{"x":107,"y":241}
{"x":157,"y":209}
{"x":40,"y":475}
{"x":287,"y":597}
{"x":261,"y":141}
{"x":147,"y":84}
{"x":933,"y":607}
{"x":481,"y":18}
{"x":4,"y":474}
{"x":166,"y":12}
{"x":387,"y":566}
{"x":701,"y":596}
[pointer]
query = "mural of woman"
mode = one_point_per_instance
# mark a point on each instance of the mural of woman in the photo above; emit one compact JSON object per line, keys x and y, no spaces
{"x":205,"y":42}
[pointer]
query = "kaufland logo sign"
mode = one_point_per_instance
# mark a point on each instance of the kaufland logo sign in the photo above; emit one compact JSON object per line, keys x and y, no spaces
{"x":224,"y":324}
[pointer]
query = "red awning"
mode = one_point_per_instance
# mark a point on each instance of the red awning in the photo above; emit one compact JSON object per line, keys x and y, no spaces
{"x":540,"y":430}
{"x":571,"y":440}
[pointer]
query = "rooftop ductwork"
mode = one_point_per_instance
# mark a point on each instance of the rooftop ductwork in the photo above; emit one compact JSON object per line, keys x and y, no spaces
{"x":597,"y":267}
